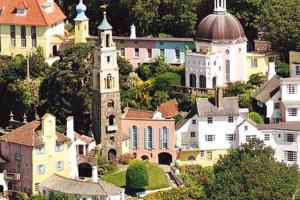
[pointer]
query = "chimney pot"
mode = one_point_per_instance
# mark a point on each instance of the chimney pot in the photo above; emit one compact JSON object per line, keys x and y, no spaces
{"x":219,"y":97}
{"x":132,"y":32}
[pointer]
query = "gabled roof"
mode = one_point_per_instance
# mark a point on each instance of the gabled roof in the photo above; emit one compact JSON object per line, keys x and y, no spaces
{"x":267,"y":90}
{"x":84,"y":138}
{"x":169,"y":109}
{"x":35,"y":15}
{"x":286,"y":126}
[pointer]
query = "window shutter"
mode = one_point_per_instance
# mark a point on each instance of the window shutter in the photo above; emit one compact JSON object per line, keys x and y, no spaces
{"x":145,"y":138}
{"x":160,"y":138}
{"x":168,"y":138}
{"x":137,"y":138}
{"x":130,"y":137}
{"x":153,"y":140}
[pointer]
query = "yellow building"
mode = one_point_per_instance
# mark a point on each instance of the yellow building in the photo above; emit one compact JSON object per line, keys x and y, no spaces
{"x":257,"y":63}
{"x":81,"y":24}
{"x":295,"y":63}
{"x":36,"y":152}
{"x":28,"y":24}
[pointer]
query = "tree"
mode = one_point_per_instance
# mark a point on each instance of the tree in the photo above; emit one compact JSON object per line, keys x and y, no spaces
{"x":125,"y":68}
{"x":237,"y":88}
{"x":282,"y":69}
{"x":137,"y":175}
{"x":21,"y":196}
{"x":250,"y":172}
{"x":178,"y":193}
{"x":144,"y":71}
{"x":38,"y":197}
{"x":281,"y":24}
{"x":164,"y":81}
{"x":55,"y":195}
{"x":159,"y":98}
{"x":257,"y":79}
{"x":256,"y":117}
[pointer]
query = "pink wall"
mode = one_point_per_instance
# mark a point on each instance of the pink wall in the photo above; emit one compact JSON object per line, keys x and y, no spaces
{"x":156,"y":124}
{"x":9,"y":150}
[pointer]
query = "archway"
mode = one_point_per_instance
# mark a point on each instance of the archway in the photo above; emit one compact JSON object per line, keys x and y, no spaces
{"x":164,"y":158}
{"x":85,"y":170}
{"x":193,"y":81}
{"x":54,"y":50}
{"x":112,"y":154}
{"x":202,"y":81}
{"x":145,"y":158}
{"x":214,"y":82}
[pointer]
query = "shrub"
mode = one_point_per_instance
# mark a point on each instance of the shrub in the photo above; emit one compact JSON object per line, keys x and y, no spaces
{"x":55,"y":195}
{"x":178,"y":193}
{"x":137,"y":175}
{"x":125,"y":158}
{"x":144,"y":72}
{"x":105,"y":166}
{"x":20,"y":196}
{"x":256,"y":117}
{"x":257,"y":79}
{"x":163,"y":81}
{"x":38,"y":197}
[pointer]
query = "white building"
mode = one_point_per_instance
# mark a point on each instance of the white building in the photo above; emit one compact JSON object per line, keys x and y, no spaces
{"x":221,"y":51}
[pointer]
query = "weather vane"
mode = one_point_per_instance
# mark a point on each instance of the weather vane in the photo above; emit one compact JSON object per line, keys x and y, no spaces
{"x":104,"y":6}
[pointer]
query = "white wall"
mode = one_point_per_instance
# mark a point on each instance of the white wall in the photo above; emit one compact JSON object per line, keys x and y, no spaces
{"x":270,"y":104}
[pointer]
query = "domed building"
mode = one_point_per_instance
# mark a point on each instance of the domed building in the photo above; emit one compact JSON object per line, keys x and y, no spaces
{"x":221,"y":51}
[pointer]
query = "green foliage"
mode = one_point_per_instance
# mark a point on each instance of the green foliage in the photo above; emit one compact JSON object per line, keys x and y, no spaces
{"x":237,"y":88}
{"x":124,"y":159}
{"x":106,"y":166}
{"x":144,"y":72}
{"x":61,"y":196}
{"x":256,"y":117}
{"x":187,"y":103}
{"x":159,"y":98}
{"x":250,"y":172}
{"x":245,"y":99}
{"x":21,"y":196}
{"x":257,"y":79}
{"x":178,"y":193}
{"x":125,"y":68}
{"x":164,"y":81}
{"x":282,"y":69}
{"x":38,"y":197}
{"x":137,"y":175}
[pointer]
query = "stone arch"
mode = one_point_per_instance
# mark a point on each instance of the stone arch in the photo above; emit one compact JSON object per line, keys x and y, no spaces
{"x":202,"y":81}
{"x":164,"y":158}
{"x":145,"y":158}
{"x":85,"y":170}
{"x":193,"y":80}
{"x":191,"y":158}
{"x":112,"y":154}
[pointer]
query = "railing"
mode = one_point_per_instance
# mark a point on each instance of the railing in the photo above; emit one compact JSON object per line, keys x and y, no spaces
{"x":175,"y":173}
{"x":181,"y":90}
{"x":12,"y":176}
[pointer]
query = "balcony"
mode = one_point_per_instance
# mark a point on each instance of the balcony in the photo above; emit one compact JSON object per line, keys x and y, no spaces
{"x":12,"y":176}
{"x":189,"y":147}
{"x":111,"y":128}
{"x":181,"y":90}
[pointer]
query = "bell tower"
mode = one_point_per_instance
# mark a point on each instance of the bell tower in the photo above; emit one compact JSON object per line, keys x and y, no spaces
{"x":106,"y":113}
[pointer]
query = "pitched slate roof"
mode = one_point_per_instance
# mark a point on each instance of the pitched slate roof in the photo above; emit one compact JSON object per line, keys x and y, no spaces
{"x":35,"y":16}
{"x":286,"y":126}
{"x":138,"y":114}
{"x":71,"y":186}
{"x":169,"y":109}
{"x":267,"y":90}
{"x":29,"y":135}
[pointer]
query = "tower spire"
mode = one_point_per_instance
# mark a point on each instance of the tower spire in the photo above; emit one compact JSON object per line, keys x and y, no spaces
{"x":81,"y":8}
{"x":220,"y":6}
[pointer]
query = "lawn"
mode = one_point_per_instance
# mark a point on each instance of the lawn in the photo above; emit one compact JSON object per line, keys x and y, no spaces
{"x":157,"y":178}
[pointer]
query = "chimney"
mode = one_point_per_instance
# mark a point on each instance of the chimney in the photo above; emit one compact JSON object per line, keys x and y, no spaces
{"x":132,"y":32}
{"x":70,"y":128}
{"x":95,"y":174}
{"x":271,"y":70}
{"x":219,"y":98}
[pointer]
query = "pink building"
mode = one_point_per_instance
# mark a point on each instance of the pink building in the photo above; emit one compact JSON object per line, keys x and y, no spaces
{"x":151,"y":137}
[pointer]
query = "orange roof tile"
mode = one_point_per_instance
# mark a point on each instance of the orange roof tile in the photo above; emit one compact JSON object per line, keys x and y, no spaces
{"x":138,"y":114}
{"x":35,"y":16}
{"x":169,"y":109}
{"x":84,"y":138}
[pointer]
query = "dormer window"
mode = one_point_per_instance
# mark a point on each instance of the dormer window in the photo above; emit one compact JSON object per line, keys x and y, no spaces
{"x":47,"y":6}
{"x":21,"y":11}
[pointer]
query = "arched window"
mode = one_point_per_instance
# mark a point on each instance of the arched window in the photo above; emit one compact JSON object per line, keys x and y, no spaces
{"x":134,"y":137}
{"x":191,"y":158}
{"x":150,"y":145}
{"x":109,"y":81}
{"x":193,"y":80}
{"x":111,"y":120}
{"x":110,"y":104}
{"x":202,"y":81}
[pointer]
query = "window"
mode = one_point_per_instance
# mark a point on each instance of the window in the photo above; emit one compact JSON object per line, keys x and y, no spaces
{"x":191,"y":158}
{"x":150,"y":145}
{"x":122,"y":52}
{"x":162,"y":53}
{"x":149,"y":53}
{"x":21,"y":11}
{"x":60,"y":165}
{"x":107,"y":37}
{"x":289,"y":137}
{"x":110,"y":104}
{"x":230,"y":119}
{"x":227,"y":51}
{"x":36,"y":187}
{"x":276,"y":105}
{"x":111,"y":120}
{"x":250,"y":137}
{"x":202,"y":154}
{"x":210,"y":138}
{"x":23,"y":36}
{"x":33,"y":36}
{"x":161,"y":43}
{"x":194,"y":121}
{"x":165,"y":138}
{"x":209,"y":120}
{"x":215,"y":63}
{"x":297,"y":71}
{"x":109,"y":81}
{"x":291,"y":88}
{"x":230,"y":137}
{"x":134,"y":136}
{"x":177,"y":54}
{"x":40,"y":150}
{"x":12,"y":35}
{"x":254,"y":63}
{"x":193,"y":134}
{"x":41,"y":169}
{"x":292,"y":112}
{"x":209,"y":155}
{"x":290,"y":156}
{"x":136,"y":52}
{"x":59,"y":147}
{"x":267,"y":137}
{"x":227,"y":71}
{"x":108,"y":59}
{"x":246,"y":128}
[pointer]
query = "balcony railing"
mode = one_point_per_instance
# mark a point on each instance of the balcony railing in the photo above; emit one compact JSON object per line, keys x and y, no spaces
{"x":12,"y":176}
{"x":181,"y":90}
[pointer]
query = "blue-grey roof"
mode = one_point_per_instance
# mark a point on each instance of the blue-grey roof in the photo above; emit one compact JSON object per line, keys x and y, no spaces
{"x":81,"y":8}
{"x":104,"y":24}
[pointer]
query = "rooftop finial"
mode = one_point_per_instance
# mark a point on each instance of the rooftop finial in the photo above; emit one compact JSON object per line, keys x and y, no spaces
{"x":11,"y":116}
{"x":81,"y":8}
{"x":104,"y":24}
{"x":220,"y":6}
{"x":25,"y":118}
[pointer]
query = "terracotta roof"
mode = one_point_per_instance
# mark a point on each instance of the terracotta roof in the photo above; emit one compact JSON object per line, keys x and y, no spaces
{"x":84,"y":138}
{"x":35,"y":16}
{"x":169,"y":109}
{"x":29,"y":135}
{"x":267,"y":90}
{"x":287,"y":126}
{"x":138,"y":114}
